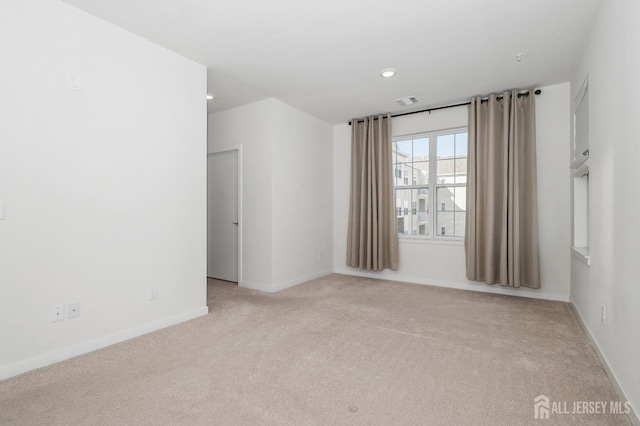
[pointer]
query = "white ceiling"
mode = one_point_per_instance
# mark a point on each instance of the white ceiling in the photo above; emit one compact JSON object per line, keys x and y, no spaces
{"x":323,"y":56}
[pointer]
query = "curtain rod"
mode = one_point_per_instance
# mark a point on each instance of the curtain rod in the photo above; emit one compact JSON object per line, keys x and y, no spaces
{"x":537,"y":92}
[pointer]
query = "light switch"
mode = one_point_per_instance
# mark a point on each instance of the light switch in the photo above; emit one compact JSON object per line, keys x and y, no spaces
{"x":1,"y":210}
{"x":75,"y":82}
{"x":73,"y":310}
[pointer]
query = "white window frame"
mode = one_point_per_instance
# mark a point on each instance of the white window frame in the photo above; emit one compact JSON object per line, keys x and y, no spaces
{"x":580,"y":184}
{"x":431,"y":186}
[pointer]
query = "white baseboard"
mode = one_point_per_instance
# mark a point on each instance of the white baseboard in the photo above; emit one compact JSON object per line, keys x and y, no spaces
{"x":274,"y":288}
{"x":633,"y":417}
{"x":297,"y":281}
{"x":480,"y":287}
{"x":99,"y":343}
{"x":255,"y":286}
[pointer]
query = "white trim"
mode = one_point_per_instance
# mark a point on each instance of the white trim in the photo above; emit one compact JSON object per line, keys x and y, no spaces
{"x":240,"y":216}
{"x":581,"y":92}
{"x":99,"y":343}
{"x":581,"y":168}
{"x":633,"y":417}
{"x":274,"y":288}
{"x":471,"y":286}
{"x":255,"y":286}
{"x":579,"y":162}
{"x":417,"y":135}
{"x":576,"y":106}
{"x":582,"y":253}
{"x":297,"y":281}
{"x":414,"y":239}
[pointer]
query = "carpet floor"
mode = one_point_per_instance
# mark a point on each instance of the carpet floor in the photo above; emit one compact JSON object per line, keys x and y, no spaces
{"x":338,"y":350}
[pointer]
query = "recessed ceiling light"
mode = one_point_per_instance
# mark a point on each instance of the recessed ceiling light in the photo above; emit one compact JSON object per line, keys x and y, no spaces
{"x":387,"y":72}
{"x":210,"y":96}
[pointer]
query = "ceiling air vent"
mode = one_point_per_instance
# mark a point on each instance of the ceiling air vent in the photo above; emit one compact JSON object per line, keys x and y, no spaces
{"x":409,"y":100}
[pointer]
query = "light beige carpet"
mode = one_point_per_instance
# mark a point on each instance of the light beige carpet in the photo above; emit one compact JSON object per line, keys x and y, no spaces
{"x":337,"y":350}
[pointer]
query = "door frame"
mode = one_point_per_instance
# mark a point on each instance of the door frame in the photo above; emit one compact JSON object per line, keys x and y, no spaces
{"x":238,"y":150}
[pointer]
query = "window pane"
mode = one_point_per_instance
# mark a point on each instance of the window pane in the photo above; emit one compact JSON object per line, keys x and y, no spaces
{"x":446,"y":199}
{"x":451,"y":204}
{"x":404,"y":151}
{"x":461,"y":144}
{"x":460,"y":222}
{"x":445,"y":226}
{"x":394,"y":148}
{"x":446,"y":158}
{"x":460,"y":198}
{"x":450,"y":224}
{"x":422,"y":195}
{"x":412,"y":211}
{"x":403,"y":173}
{"x":446,"y":170}
{"x":461,"y":147}
{"x":446,"y":146}
{"x":421,"y":149}
{"x":421,"y":173}
{"x":452,"y":158}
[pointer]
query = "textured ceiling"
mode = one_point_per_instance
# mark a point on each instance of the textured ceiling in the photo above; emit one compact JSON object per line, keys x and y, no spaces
{"x":323,"y":57}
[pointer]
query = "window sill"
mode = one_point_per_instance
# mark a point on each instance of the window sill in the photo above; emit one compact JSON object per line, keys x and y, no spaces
{"x":437,"y":241}
{"x":582,"y":253}
{"x":582,"y":169}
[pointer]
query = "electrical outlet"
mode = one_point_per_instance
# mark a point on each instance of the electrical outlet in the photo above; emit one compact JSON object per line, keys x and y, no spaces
{"x":57,"y":313}
{"x":153,"y":292}
{"x":73,"y":310}
{"x":604,"y":315}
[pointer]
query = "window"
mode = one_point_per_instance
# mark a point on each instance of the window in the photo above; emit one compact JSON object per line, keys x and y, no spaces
{"x":436,"y":195}
{"x":580,"y":166}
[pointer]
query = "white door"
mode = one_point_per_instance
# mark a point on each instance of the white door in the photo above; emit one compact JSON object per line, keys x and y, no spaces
{"x":222,"y":216}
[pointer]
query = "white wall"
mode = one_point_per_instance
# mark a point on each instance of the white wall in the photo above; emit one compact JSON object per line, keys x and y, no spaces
{"x":250,"y":126}
{"x":105,"y":189}
{"x":614,"y":205}
{"x":302,"y":197}
{"x":554,"y":190}
{"x":443,"y":263}
{"x":286,"y":193}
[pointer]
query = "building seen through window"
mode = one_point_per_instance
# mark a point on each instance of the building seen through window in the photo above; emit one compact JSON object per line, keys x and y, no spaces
{"x":430,"y":183}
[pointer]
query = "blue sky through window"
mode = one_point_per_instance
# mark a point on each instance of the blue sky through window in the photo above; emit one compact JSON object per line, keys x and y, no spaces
{"x":454,"y":144}
{"x":413,"y":147}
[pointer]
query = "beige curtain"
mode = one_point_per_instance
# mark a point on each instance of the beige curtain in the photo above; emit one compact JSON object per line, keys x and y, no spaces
{"x":501,"y":238}
{"x":372,"y":240}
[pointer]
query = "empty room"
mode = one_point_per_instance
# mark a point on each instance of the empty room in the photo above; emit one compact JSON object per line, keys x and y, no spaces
{"x":319,"y":213}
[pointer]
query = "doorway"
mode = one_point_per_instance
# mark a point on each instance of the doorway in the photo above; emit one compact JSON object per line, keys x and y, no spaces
{"x":223,"y":215}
